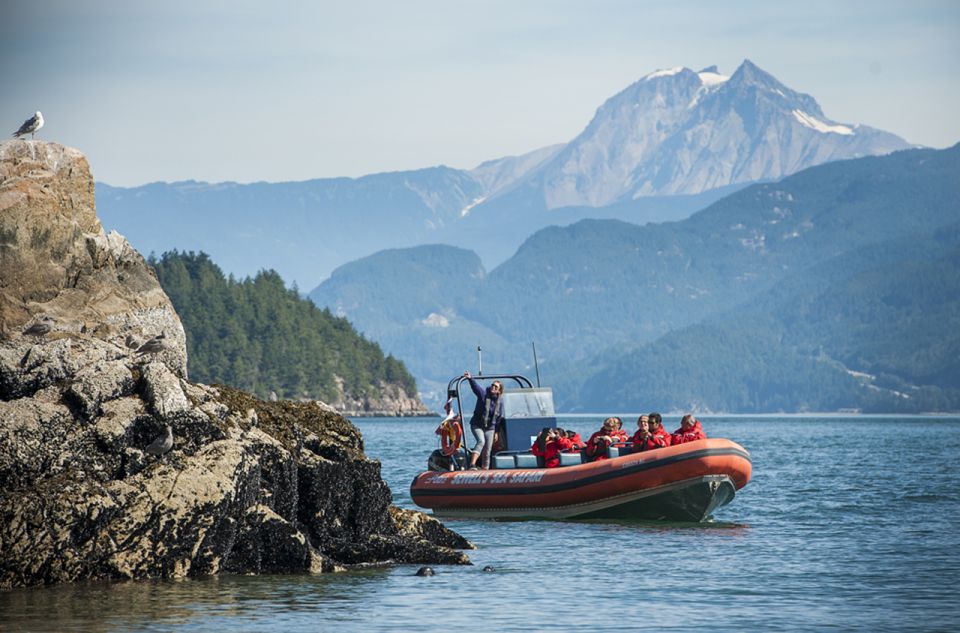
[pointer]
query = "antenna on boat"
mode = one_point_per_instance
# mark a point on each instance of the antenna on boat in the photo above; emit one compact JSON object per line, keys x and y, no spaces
{"x":535,"y":363}
{"x":480,"y":361}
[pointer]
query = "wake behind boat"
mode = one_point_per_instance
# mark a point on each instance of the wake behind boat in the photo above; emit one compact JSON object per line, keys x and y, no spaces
{"x":687,"y":482}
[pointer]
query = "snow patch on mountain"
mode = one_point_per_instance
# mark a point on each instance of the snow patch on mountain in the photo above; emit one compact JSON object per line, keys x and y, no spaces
{"x":464,"y":211}
{"x":818,"y":125}
{"x":711,"y":78}
{"x":436,"y":320}
{"x":664,"y":72}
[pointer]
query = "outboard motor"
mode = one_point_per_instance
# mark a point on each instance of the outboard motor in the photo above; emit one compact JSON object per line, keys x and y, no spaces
{"x":439,"y":462}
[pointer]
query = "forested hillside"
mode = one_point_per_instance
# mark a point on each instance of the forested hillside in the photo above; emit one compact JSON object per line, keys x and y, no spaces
{"x":876,"y":330}
{"x":258,"y":335}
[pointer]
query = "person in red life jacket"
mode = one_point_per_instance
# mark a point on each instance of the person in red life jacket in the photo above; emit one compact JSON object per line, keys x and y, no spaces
{"x":689,"y":431}
{"x":643,"y":439}
{"x":576,"y":442}
{"x":548,"y":445}
{"x":657,"y":432}
{"x":619,"y":435}
{"x":609,"y":433}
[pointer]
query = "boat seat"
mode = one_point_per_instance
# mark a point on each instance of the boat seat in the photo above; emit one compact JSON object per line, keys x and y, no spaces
{"x":527,"y":460}
{"x":571,"y":459}
{"x":619,"y":450}
{"x":502,"y":461}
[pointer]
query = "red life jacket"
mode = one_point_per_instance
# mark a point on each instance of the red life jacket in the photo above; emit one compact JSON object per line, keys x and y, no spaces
{"x":576,"y":442}
{"x":661,"y":437}
{"x":695,"y":433}
{"x":640,"y":444}
{"x":551,"y":451}
{"x":597,"y":447}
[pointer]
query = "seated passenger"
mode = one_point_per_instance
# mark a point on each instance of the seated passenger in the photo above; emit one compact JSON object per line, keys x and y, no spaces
{"x":659,"y":434}
{"x":689,"y":431}
{"x":548,"y":445}
{"x":620,"y":435}
{"x":643,"y":439}
{"x":610,"y":433}
{"x":576,"y":442}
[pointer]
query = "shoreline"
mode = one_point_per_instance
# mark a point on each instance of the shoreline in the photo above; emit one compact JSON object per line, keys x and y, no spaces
{"x":952,"y":415}
{"x":388,"y":414}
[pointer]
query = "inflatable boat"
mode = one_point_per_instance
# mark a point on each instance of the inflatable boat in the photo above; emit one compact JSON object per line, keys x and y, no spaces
{"x":687,"y":482}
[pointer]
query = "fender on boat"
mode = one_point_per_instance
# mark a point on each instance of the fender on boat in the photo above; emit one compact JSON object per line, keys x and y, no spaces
{"x":686,"y":482}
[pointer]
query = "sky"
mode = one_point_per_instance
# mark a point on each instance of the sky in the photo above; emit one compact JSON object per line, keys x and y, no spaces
{"x":251,"y":91}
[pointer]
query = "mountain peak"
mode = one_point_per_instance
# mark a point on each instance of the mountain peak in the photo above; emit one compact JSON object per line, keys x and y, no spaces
{"x":676,"y":131}
{"x":750,"y":73}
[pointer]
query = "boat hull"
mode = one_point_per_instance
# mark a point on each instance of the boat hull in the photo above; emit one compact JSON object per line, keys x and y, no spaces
{"x":679,"y":483}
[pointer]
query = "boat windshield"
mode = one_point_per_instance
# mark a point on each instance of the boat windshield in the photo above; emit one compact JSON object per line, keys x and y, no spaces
{"x":528,"y":403}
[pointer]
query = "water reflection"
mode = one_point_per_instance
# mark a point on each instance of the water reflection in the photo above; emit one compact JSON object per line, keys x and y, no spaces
{"x":108,"y":606}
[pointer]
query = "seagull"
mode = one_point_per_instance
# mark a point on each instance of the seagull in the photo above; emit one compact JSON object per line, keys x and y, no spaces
{"x":154,"y":345}
{"x":30,"y":126}
{"x":162,"y":443}
{"x":40,"y":328}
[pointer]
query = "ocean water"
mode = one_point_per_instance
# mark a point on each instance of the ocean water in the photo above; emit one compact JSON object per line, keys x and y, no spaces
{"x":848,"y":524}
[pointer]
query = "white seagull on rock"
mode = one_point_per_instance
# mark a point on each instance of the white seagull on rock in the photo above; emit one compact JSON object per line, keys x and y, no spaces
{"x":30,"y":126}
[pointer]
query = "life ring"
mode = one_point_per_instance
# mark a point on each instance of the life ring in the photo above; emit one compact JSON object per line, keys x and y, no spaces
{"x":450,"y":436}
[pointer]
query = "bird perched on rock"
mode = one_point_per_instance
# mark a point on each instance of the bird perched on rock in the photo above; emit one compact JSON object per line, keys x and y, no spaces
{"x":30,"y":126}
{"x":40,"y":328}
{"x":162,"y":443}
{"x":154,"y":345}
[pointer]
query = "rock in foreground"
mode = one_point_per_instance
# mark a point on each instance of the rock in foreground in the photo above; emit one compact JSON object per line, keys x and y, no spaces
{"x":248,"y":486}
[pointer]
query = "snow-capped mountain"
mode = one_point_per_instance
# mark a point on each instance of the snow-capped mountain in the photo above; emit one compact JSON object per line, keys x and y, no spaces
{"x":678,"y":131}
{"x":663,"y":148}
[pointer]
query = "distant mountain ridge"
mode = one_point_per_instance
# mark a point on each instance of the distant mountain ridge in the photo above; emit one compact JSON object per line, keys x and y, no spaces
{"x":582,"y":291}
{"x":666,"y":146}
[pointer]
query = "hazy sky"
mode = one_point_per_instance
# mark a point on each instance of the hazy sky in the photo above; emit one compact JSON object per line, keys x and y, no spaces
{"x":251,"y":91}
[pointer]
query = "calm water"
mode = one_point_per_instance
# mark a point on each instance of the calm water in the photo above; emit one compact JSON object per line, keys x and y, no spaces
{"x":848,"y":523}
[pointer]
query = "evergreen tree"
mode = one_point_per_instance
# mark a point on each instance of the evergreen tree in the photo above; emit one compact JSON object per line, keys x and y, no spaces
{"x":258,"y":335}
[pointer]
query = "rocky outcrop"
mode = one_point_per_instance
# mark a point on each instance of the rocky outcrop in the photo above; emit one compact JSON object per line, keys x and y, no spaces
{"x":248,"y":486}
{"x":391,"y":401}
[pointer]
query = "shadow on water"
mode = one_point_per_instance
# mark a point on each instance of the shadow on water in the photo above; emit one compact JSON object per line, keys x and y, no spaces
{"x":709,"y":524}
{"x":663,"y":526}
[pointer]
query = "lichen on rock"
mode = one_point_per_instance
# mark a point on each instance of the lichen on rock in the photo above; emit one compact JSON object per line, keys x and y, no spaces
{"x":248,"y":486}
